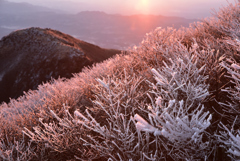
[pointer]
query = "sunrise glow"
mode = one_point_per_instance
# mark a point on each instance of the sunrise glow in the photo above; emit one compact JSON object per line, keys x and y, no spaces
{"x":143,"y":6}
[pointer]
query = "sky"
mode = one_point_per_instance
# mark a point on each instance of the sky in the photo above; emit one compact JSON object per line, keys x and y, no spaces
{"x":180,"y":8}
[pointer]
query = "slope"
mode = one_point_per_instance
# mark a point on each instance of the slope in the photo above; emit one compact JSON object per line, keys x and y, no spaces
{"x":175,"y":97}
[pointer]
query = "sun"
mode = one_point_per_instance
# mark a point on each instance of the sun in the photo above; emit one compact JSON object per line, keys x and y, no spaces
{"x":143,"y":6}
{"x":145,"y":2}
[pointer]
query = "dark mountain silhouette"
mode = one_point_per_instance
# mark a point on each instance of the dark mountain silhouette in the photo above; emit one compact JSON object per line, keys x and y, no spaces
{"x":31,"y":56}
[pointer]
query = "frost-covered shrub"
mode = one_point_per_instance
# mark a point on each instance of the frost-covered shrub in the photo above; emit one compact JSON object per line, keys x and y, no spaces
{"x":219,"y":36}
{"x":183,"y":129}
{"x":177,"y":112}
{"x":158,"y":46}
{"x":61,"y":139}
{"x":110,"y":118}
{"x":106,"y":130}
{"x":181,"y":79}
{"x":230,"y":137}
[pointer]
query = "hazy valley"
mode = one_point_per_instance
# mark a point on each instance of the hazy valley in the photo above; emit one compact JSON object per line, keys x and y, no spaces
{"x":105,"y":30}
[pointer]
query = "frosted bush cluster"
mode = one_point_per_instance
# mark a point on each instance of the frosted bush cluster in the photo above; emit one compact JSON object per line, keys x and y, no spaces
{"x":109,"y":124}
{"x":177,"y":112}
{"x":229,"y":136}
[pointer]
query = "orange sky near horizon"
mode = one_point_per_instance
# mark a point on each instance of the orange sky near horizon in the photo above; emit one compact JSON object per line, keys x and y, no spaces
{"x":181,"y":8}
{"x":177,"y":6}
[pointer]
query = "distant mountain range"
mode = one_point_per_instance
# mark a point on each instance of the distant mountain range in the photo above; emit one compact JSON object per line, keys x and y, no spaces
{"x":7,"y":7}
{"x":105,"y":30}
{"x":32,"y":56}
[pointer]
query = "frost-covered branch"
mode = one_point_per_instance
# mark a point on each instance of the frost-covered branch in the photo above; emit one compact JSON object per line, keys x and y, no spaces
{"x":230,"y":140}
{"x":233,"y":92}
{"x":181,"y":79}
{"x":18,"y":150}
{"x":183,"y":128}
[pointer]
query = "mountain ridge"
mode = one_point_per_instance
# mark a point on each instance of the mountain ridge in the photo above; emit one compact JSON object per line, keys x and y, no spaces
{"x":31,"y":56}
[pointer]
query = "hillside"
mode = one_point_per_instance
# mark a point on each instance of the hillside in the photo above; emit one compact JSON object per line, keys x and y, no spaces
{"x":32,"y":56}
{"x":175,"y":97}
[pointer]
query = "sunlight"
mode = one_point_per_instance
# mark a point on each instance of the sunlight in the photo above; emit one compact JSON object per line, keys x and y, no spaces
{"x":143,"y":6}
